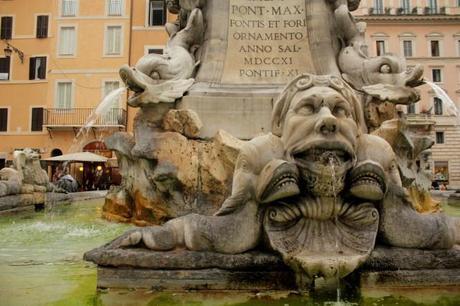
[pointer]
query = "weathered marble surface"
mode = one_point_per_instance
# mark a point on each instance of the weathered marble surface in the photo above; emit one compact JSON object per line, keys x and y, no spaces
{"x":186,"y":280}
{"x":291,"y":188}
{"x":25,"y":176}
{"x":169,"y":175}
{"x":19,"y":202}
{"x":186,"y":270}
{"x":183,"y":259}
{"x":432,"y":278}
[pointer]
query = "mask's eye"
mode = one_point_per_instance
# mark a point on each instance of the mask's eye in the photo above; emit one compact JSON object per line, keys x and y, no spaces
{"x":306,"y":110}
{"x":385,"y":68}
{"x":340,"y":111}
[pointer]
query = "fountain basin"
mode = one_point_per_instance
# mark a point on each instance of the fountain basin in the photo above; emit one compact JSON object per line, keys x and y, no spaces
{"x":30,"y":201}
{"x":183,"y":270}
{"x":38,"y":200}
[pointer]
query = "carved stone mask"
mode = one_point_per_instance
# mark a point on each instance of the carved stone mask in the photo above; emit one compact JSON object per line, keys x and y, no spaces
{"x":319,"y":133}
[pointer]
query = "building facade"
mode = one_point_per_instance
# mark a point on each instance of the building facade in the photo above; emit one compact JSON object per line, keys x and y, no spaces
{"x":426,"y":32}
{"x":63,"y":59}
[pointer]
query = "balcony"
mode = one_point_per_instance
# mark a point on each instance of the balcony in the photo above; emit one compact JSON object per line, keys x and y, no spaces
{"x":75,"y":118}
{"x":423,"y":120}
{"x":379,"y":11}
{"x":406,"y":11}
{"x":434,"y":11}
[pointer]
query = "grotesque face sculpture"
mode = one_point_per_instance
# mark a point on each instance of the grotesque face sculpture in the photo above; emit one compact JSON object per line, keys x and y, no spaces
{"x":316,"y":119}
{"x":317,"y":126}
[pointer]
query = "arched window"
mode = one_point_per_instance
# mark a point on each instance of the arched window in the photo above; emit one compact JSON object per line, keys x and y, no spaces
{"x":437,"y":106}
{"x":98,"y":147}
{"x":56,"y":152}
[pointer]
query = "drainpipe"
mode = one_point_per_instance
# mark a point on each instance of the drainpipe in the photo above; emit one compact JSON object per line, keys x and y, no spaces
{"x":131,"y":13}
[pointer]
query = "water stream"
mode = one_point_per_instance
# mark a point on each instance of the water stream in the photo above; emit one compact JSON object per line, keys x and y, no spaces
{"x":451,"y":108}
{"x":109,"y":102}
{"x":337,"y":234}
{"x":41,"y":264}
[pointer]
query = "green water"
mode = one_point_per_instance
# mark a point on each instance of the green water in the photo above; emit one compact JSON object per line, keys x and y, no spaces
{"x":41,"y":264}
{"x":41,"y":255}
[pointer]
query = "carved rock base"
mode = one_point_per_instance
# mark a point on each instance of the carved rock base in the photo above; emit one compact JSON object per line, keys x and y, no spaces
{"x":186,"y":270}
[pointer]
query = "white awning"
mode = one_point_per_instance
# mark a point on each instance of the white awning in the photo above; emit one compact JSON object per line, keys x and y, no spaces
{"x":83,"y":157}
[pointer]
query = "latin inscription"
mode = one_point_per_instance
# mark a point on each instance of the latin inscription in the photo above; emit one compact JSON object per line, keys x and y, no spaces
{"x":267,"y":42}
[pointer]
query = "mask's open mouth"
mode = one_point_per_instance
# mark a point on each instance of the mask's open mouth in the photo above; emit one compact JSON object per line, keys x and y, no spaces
{"x":325,"y":153}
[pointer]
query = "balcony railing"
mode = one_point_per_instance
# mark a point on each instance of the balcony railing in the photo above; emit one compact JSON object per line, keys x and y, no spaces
{"x":425,"y":119}
{"x":407,"y":11}
{"x":434,"y":10}
{"x":79,"y":117}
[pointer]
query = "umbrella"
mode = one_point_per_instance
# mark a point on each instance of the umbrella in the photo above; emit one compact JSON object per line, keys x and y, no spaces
{"x":78,"y":157}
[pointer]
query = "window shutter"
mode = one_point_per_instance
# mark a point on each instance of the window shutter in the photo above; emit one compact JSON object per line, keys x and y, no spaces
{"x":42,"y":26}
{"x":3,"y":119}
{"x":7,"y":27}
{"x":42,"y":68}
{"x":37,"y":119}
{"x":33,"y":63}
{"x":4,"y":68}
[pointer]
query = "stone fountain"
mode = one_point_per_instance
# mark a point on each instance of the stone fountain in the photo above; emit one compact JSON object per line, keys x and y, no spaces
{"x":26,"y":185}
{"x":326,"y":188}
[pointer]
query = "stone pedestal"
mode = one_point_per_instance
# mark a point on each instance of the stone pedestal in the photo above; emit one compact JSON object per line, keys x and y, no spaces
{"x":186,"y":270}
{"x":250,"y":51}
{"x":242,"y":116}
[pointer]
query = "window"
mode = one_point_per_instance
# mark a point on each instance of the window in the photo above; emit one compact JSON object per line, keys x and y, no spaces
{"x":433,"y":6}
{"x":440,"y":137}
{"x":3,"y":120}
{"x":378,"y":7}
{"x":436,"y":75}
{"x":68,"y":8}
{"x":37,"y":68}
{"x":113,"y":40}
{"x":155,"y":51}
{"x":157,"y":13}
{"x":37,"y":119}
{"x":112,"y":115}
{"x":458,"y":46}
{"x":407,"y":48}
{"x":411,"y":108}
{"x":42,"y":26}
{"x":110,"y":86}
{"x":114,"y":7}
{"x":67,"y":41}
{"x":434,"y":46}
{"x":437,"y":106}
{"x":6,"y":31}
{"x":5,"y":68}
{"x":380,"y":45}
{"x":64,"y":95}
{"x":405,"y":5}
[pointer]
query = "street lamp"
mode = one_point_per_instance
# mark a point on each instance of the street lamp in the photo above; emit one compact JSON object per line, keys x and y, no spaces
{"x":10,"y":49}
